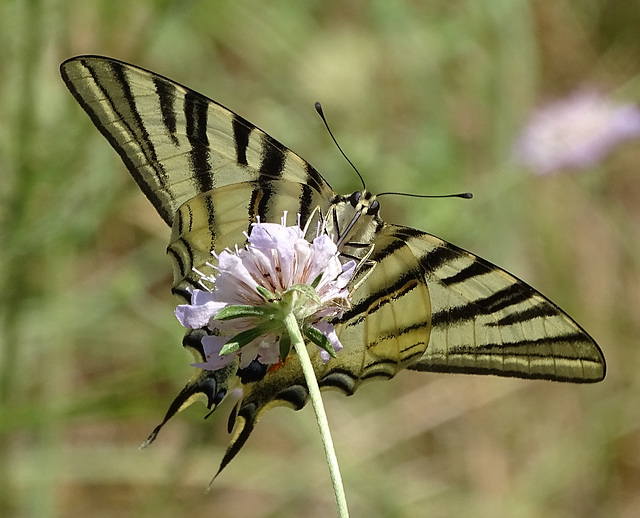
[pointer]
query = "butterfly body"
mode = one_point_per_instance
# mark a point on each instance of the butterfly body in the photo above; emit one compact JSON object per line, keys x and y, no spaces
{"x":417,"y":302}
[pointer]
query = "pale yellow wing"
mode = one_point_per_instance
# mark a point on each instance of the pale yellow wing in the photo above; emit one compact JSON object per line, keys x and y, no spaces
{"x":176,"y":142}
{"x":486,"y":321}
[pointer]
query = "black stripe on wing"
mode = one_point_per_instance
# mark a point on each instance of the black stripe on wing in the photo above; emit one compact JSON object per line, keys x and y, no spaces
{"x":541,"y":310}
{"x":272,"y":165}
{"x":532,"y":353}
{"x":241,"y":131}
{"x":196,"y":114}
{"x":166,"y":95}
{"x":139,"y":131}
{"x":260,"y":202}
{"x":315,"y":180}
{"x":473,"y":270}
{"x":274,"y":155}
{"x":492,"y":304}
{"x":508,"y":373}
{"x":182,"y":266}
{"x":341,"y":379}
{"x":399,"y":332}
{"x":375,"y":301}
{"x":521,"y":347}
{"x":306,"y":204}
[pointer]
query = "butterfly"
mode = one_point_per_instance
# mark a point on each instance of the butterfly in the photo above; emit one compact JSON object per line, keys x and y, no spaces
{"x":420,"y":303}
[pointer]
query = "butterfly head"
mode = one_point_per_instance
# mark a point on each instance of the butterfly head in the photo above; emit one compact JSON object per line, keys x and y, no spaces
{"x":354,"y":220}
{"x":364,"y":203}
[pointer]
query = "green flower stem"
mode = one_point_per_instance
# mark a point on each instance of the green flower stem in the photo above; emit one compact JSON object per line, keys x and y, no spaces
{"x":314,"y":391}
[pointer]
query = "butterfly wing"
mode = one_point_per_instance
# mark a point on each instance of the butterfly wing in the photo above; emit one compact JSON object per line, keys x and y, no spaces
{"x":176,"y":142}
{"x":486,"y":321}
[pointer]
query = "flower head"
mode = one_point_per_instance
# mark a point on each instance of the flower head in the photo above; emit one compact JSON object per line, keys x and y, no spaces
{"x":575,"y":132}
{"x":277,"y":272}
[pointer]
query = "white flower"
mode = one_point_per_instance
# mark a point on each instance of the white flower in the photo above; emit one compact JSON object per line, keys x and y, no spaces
{"x":278,"y":271}
{"x":575,"y":132}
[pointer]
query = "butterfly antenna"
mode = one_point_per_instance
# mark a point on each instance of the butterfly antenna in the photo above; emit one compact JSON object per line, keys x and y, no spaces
{"x":464,"y":195}
{"x":321,"y":113}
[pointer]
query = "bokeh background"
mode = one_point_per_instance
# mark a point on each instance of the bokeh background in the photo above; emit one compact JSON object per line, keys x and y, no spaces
{"x":424,"y":96}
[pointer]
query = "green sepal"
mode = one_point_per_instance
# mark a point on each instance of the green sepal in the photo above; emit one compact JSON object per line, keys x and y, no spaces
{"x":245,"y":337}
{"x":316,"y":281}
{"x":240,"y":311}
{"x":319,"y":339}
{"x":266,"y":294}
{"x":306,"y":291}
{"x":285,"y":347}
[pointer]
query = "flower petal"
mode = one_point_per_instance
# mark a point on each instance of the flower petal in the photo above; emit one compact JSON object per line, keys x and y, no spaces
{"x":324,"y":260}
{"x":234,"y":284}
{"x":329,"y":331}
{"x":199,"y":297}
{"x":196,"y":316}
{"x":347,"y":272}
{"x":269,"y":351}
{"x":212,"y":346}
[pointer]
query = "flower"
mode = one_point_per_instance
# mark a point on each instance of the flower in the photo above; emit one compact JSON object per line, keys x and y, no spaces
{"x":255,"y":287}
{"x":575,"y":132}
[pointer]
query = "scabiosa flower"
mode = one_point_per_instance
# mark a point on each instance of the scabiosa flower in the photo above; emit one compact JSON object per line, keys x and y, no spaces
{"x":278,"y":272}
{"x":575,"y":132}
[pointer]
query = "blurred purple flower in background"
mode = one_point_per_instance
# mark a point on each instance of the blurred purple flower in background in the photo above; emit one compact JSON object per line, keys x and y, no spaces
{"x":575,"y":132}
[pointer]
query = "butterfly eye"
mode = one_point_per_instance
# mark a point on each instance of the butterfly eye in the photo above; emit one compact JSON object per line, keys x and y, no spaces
{"x":355,"y":198}
{"x":373,"y":208}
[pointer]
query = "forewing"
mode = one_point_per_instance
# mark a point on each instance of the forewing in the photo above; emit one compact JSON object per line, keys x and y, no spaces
{"x":176,"y":142}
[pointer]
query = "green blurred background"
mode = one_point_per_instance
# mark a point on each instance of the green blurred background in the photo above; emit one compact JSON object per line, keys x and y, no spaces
{"x":424,"y":96}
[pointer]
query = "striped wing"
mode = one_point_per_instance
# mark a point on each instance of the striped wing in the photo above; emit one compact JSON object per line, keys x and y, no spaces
{"x":177,"y":143}
{"x":486,"y":321}
{"x":418,"y":302}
